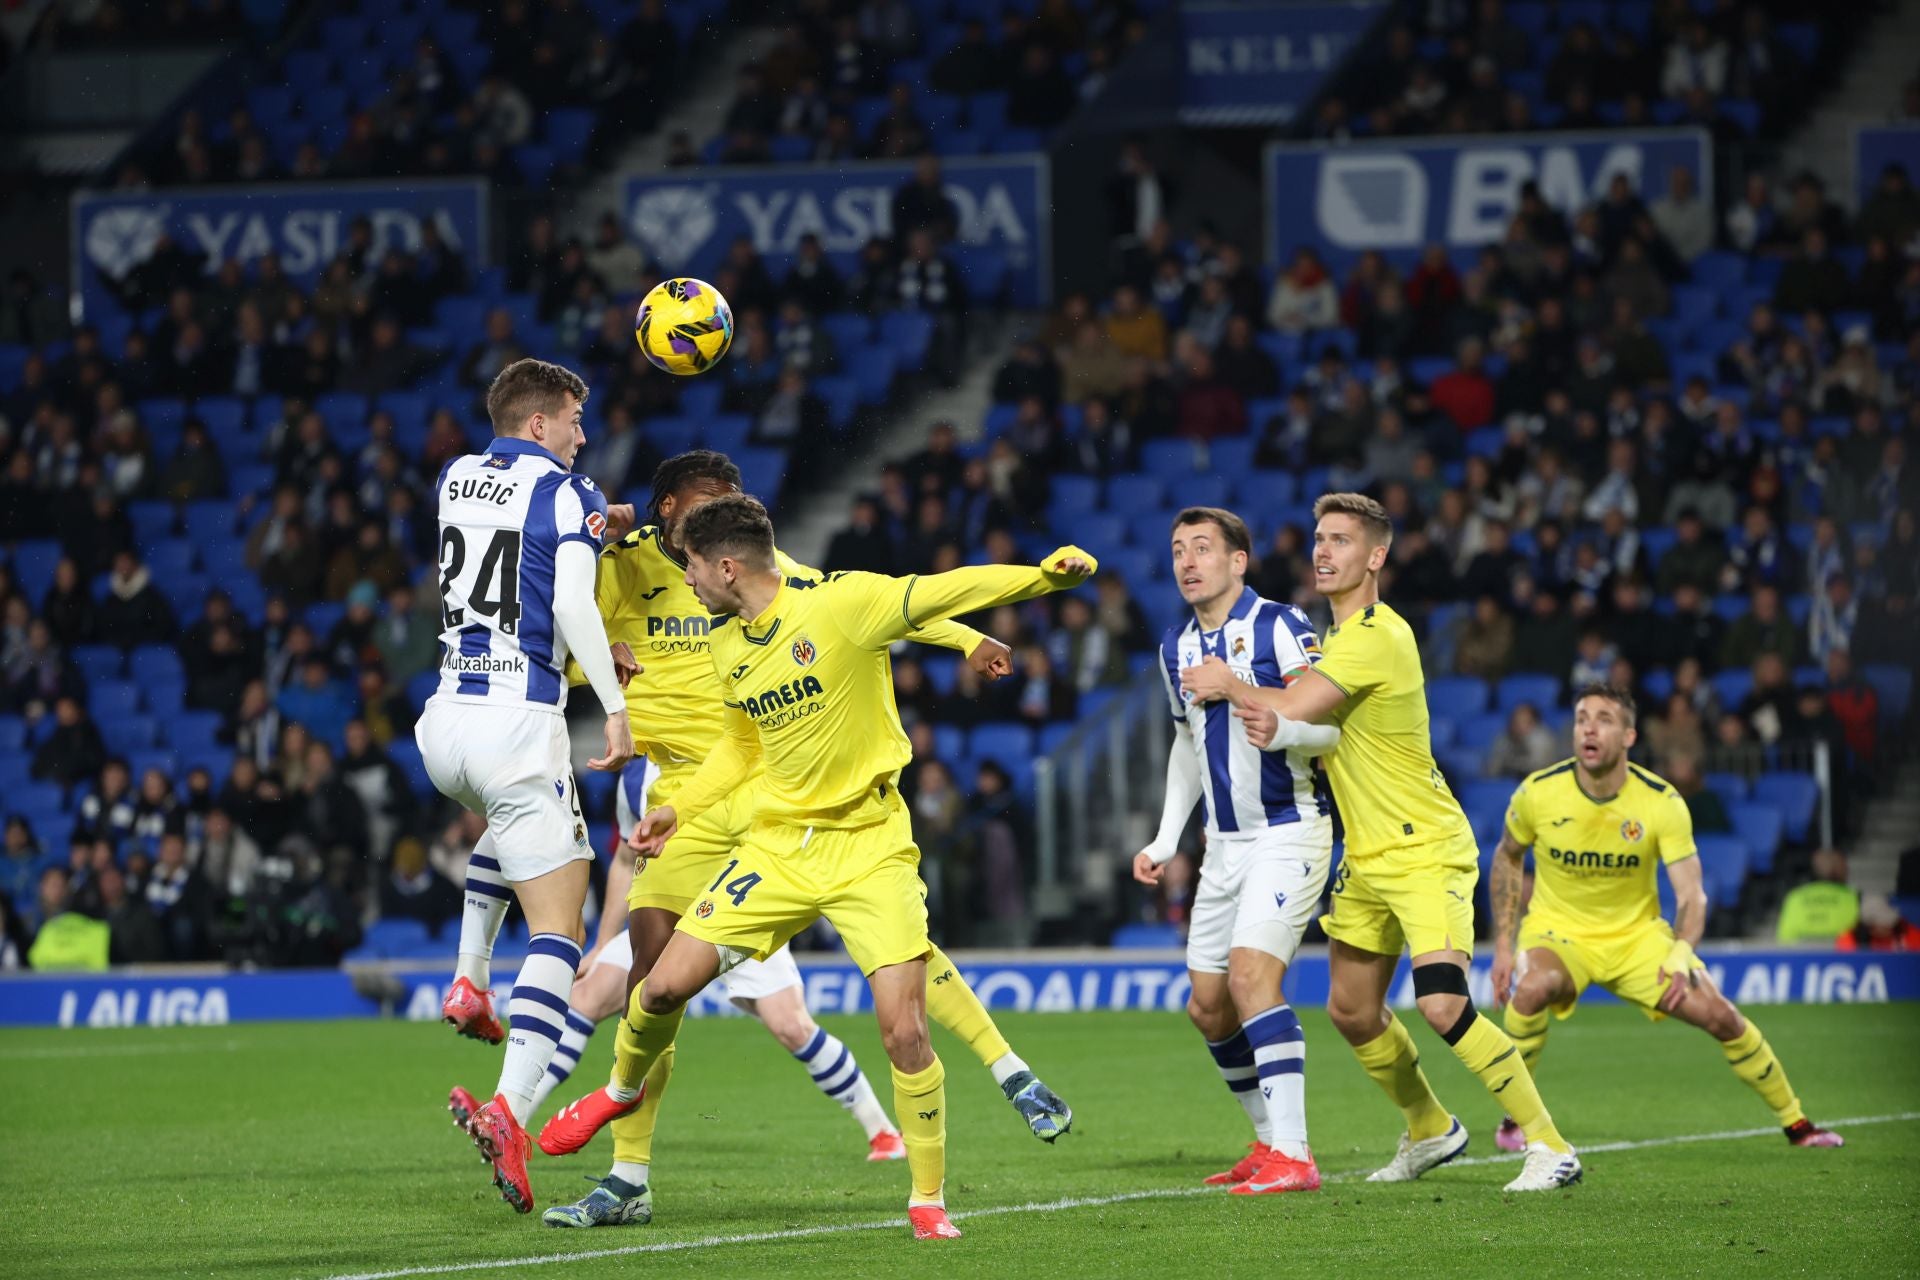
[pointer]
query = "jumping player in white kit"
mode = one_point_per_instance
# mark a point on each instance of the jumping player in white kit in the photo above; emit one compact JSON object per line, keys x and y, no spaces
{"x":520,"y":541}
{"x":1269,"y":834}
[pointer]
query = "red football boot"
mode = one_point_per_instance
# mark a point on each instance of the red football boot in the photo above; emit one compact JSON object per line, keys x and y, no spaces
{"x":930,"y":1222}
{"x":463,"y":1105}
{"x":1257,"y":1153}
{"x":504,"y":1145}
{"x":1280,"y":1173}
{"x":574,"y":1125}
{"x":469,"y":1010}
{"x":1808,"y":1134}
{"x":886,"y":1145}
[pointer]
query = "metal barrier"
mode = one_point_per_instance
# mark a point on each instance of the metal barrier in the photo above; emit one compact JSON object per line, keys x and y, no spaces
{"x":1093,"y":790}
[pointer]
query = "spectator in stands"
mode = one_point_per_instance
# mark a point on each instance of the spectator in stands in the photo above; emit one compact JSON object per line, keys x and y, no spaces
{"x":1678,"y":731}
{"x":65,"y":939}
{"x":928,"y":281}
{"x":1892,"y":212}
{"x":1854,"y":703}
{"x":134,"y":612}
{"x":813,"y":281}
{"x":1685,"y":220}
{"x":863,"y":546}
{"x":1485,"y":647}
{"x":413,"y":890}
{"x":1824,"y":907}
{"x":19,"y":851}
{"x":500,"y":348}
{"x":74,"y":750}
{"x":1881,"y":928}
{"x":1812,"y":280}
{"x":1770,"y":708}
{"x":1207,"y":408}
{"x":998,"y":832}
{"x":1044,"y":695}
{"x":1040,"y":95}
{"x":179,"y":900}
{"x":1524,"y":746}
{"x":922,"y":204}
{"x":1303,"y":297}
{"x":1709,"y":813}
{"x":1835,"y":616}
{"x":1134,"y":328}
{"x":317,"y":702}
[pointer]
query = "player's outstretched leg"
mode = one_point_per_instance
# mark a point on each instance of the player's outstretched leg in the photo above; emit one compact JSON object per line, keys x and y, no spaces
{"x":1357,"y":1005}
{"x":468,"y":1007}
{"x":498,"y":1128}
{"x":624,"y":1197}
{"x":953,"y":1004}
{"x":831,"y":1066}
{"x":1752,"y":1060}
{"x":596,"y":997}
{"x":1440,"y":989}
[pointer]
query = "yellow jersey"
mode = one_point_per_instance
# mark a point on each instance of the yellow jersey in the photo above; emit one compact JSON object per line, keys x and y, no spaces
{"x":1388,"y":790}
{"x":1593,"y":859}
{"x":674,"y":705}
{"x":809,"y":690}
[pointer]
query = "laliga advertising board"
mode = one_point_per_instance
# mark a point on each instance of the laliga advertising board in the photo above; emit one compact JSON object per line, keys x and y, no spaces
{"x":686,"y":222}
{"x":1398,"y":196}
{"x":306,"y":224}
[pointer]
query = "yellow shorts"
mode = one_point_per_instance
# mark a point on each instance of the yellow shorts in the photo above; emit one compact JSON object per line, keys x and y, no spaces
{"x":865,"y":880}
{"x":696,"y":853}
{"x":1628,"y":964}
{"x":1419,"y":897}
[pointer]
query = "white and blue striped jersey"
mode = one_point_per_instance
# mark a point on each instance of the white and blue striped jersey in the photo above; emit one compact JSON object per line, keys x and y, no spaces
{"x":503,"y":516}
{"x":1243,"y":789}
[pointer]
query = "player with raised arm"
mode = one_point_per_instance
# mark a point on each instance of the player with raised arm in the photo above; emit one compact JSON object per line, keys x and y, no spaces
{"x":808,"y":690}
{"x":1269,"y":842}
{"x":677,"y":712}
{"x":1598,"y":825}
{"x":520,"y":540}
{"x":1407,"y":879}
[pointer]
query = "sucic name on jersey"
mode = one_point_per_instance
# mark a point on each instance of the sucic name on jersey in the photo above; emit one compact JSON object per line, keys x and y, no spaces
{"x":1593,"y":859}
{"x":781,"y":697}
{"x":481,"y":489}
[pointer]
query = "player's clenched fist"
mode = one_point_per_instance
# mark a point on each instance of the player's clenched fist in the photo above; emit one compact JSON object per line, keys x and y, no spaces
{"x":1069,"y":566}
{"x":991,"y":659}
{"x":1146,"y":870}
{"x":1211,"y":681}
{"x":652,"y":832}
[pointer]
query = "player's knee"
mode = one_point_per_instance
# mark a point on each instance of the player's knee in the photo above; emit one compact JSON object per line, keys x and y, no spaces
{"x":1722,"y":1019}
{"x":1358,"y":1021}
{"x":662,"y":994}
{"x":907,"y":1045}
{"x":600,"y":996}
{"x":1253,"y":989}
{"x":1214,"y":1019}
{"x":1533,"y":993}
{"x":791,"y":1027}
{"x":1440,"y":990}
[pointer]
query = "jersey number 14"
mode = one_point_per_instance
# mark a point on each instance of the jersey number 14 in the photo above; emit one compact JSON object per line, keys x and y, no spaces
{"x":495,"y":591}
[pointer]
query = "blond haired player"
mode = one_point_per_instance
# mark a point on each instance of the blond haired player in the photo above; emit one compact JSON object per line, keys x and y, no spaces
{"x":1407,"y":879}
{"x":809,"y":693}
{"x":1598,"y":825}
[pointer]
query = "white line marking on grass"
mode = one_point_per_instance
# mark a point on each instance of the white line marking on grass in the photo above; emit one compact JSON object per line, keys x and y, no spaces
{"x":1052,"y":1206}
{"x":118,"y":1050}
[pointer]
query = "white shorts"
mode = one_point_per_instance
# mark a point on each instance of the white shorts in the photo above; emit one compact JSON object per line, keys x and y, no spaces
{"x":1259,"y":892}
{"x":748,"y":980}
{"x":515,"y":768}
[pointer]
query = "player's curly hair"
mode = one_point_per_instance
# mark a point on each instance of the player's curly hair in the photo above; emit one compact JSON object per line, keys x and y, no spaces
{"x":527,"y":387}
{"x":1371,"y":515}
{"x":683,"y":469}
{"x":735,"y":526}
{"x":1619,"y":696}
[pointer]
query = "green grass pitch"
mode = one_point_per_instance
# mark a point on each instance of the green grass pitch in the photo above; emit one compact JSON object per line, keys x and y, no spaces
{"x":322,"y":1150}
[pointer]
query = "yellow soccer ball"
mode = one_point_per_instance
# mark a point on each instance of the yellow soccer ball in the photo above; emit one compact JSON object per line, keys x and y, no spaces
{"x":684,"y":326}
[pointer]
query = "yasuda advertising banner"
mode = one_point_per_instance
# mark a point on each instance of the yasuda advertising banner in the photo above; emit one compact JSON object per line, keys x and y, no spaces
{"x":686,"y":221}
{"x":306,"y":224}
{"x":1025,"y":982}
{"x":1262,"y":63}
{"x":1397,"y":196}
{"x":1877,"y":146}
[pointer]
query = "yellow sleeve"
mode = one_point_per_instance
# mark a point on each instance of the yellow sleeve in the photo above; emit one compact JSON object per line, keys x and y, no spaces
{"x":726,"y":768}
{"x":1520,"y":816}
{"x":874,"y":610}
{"x":1676,"y":829}
{"x":1360,"y":660}
{"x":791,"y":568}
{"x":941,"y":635}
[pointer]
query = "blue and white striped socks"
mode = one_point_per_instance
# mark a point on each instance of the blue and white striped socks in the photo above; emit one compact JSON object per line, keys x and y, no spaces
{"x":538,"y":1011}
{"x":1234,"y":1057}
{"x":484,"y":908}
{"x":565,"y":1058}
{"x":833,"y":1069}
{"x":1280,"y":1057}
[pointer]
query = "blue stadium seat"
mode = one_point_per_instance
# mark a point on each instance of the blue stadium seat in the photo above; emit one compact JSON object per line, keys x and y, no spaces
{"x":1540,"y":690}
{"x":1730,"y":787}
{"x":1100,"y":531}
{"x":111,"y":699}
{"x":1005,"y":743}
{"x":13,"y":735}
{"x":1797,"y":796}
{"x":1143,"y":936}
{"x":98,"y":662}
{"x":422,"y":687}
{"x":389,"y":939}
{"x":535,"y":162}
{"x":171,"y":559}
{"x":1720,"y":271}
{"x":1175,"y":460}
{"x":140,"y":762}
{"x":155,"y":664}
{"x":1762,"y":827}
{"x":1480,"y":731}
{"x":405,"y":753}
{"x":153,"y":522}
{"x":193,"y":730}
{"x":126,"y":734}
{"x":1136,"y":494}
{"x":1732,"y":687}
{"x":34,"y":564}
{"x":1208,"y":489}
{"x":1894,"y":685}
{"x":568,"y":130}
{"x":166,"y":698}
{"x":1456,"y":697}
{"x":1264,"y":490}
{"x":37,"y":801}
{"x":1724,"y":861}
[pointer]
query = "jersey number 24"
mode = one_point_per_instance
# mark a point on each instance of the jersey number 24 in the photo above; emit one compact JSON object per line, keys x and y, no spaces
{"x":495,"y":589}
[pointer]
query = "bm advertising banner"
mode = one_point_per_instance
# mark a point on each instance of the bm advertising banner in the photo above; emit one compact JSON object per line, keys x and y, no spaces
{"x":1262,"y":63}
{"x":1400,"y":195}
{"x":1877,"y":146}
{"x":306,"y":224}
{"x":1029,"y":982}
{"x":686,"y":221}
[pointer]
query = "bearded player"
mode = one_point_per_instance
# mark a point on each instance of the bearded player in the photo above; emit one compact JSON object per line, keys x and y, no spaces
{"x":1598,"y":826}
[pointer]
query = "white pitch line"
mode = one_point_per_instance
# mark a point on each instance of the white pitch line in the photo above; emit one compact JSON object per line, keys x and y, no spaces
{"x":1051,"y":1206}
{"x":117,"y":1050}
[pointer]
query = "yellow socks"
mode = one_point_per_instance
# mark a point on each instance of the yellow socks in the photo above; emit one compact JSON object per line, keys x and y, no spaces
{"x":1395,"y":1067}
{"x":641,"y":1038}
{"x":952,"y":1004}
{"x":1529,"y":1032}
{"x":920,"y":1106}
{"x":1751,"y":1058}
{"x":633,"y":1132}
{"x":1485,"y":1050}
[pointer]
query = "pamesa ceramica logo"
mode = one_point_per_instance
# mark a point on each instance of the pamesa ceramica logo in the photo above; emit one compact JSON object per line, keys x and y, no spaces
{"x":120,"y":238}
{"x":1372,"y":201}
{"x":674,"y":223}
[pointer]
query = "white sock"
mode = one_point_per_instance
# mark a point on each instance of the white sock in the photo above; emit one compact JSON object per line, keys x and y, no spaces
{"x":573,"y":1042}
{"x":1006,"y":1066}
{"x":837,"y":1075}
{"x":1280,"y":1057}
{"x":538,"y":1010}
{"x":1234,"y":1057}
{"x":629,"y":1172}
{"x":484,"y":908}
